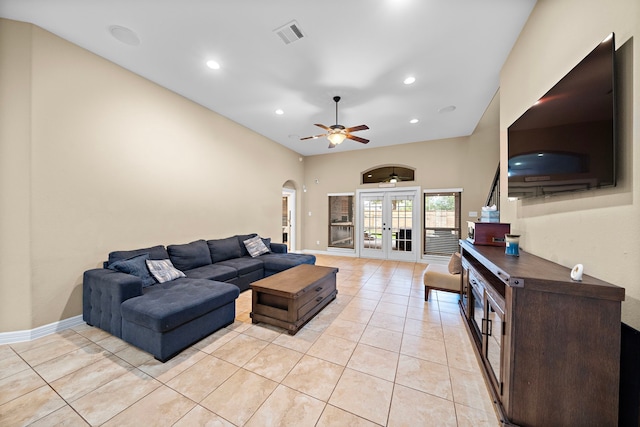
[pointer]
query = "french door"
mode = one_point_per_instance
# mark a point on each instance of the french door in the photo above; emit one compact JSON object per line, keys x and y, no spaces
{"x":389,"y":225}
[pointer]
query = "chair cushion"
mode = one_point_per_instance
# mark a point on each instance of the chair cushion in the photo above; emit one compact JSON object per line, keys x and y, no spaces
{"x":190,"y":255}
{"x":224,"y":249}
{"x":217,"y":272}
{"x":168,"y":305}
{"x":438,"y":276}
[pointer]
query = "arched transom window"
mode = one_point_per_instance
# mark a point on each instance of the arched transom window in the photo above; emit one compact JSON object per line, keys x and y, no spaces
{"x":392,"y":174}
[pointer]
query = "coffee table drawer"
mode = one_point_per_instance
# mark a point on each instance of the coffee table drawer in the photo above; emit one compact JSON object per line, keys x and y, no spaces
{"x":316,"y":297}
{"x":318,"y":288}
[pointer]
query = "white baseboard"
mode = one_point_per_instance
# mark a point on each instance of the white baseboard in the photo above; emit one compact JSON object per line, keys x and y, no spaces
{"x":425,"y":259}
{"x":41,"y":331}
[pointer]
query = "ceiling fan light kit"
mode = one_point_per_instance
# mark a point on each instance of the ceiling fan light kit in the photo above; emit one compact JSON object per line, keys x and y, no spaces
{"x":337,"y":133}
{"x":336,"y":138}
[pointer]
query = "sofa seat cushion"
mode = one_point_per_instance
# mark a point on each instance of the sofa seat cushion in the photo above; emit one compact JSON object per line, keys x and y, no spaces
{"x":155,"y":252}
{"x":166,"y":306}
{"x":281,"y":262}
{"x":190,"y":255}
{"x":221,"y":273}
{"x":244,"y":265}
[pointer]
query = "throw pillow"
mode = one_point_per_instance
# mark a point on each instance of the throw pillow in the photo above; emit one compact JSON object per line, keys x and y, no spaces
{"x":255,"y":246}
{"x":455,"y":264}
{"x":135,"y":266}
{"x":163,"y":270}
{"x":267,"y":242}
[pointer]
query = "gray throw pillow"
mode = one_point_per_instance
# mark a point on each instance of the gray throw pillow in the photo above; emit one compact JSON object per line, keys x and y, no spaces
{"x":255,"y":246}
{"x":163,"y":270}
{"x":135,"y":266}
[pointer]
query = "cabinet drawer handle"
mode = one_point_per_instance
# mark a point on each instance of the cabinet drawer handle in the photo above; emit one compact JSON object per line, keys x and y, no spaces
{"x":319,"y":288}
{"x":318,"y":299}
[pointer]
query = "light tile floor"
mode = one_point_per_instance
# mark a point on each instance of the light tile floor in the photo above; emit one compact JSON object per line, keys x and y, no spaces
{"x":378,"y":355}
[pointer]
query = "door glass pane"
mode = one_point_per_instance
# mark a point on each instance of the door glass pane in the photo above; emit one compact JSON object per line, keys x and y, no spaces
{"x":401,"y":223}
{"x":494,"y":339}
{"x":372,"y":223}
{"x":341,"y":222}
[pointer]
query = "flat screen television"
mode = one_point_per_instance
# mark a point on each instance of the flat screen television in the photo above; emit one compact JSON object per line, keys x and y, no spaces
{"x":566,"y":141}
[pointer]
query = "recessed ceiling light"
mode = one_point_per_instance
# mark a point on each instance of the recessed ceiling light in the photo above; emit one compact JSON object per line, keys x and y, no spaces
{"x":279,"y":111}
{"x":448,"y":109}
{"x":213,"y":65}
{"x":409,"y":80}
{"x":413,"y":121}
{"x":124,"y":35}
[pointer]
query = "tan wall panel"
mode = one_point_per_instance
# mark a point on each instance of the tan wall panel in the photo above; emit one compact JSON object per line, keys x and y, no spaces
{"x":599,"y":229}
{"x":121,"y":163}
{"x":15,"y":180}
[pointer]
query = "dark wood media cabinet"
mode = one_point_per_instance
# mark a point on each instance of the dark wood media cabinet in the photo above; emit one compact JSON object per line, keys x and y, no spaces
{"x":549,"y":346}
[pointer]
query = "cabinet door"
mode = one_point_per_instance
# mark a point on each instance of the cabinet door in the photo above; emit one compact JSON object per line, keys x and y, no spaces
{"x":493,"y":341}
{"x":465,"y":290}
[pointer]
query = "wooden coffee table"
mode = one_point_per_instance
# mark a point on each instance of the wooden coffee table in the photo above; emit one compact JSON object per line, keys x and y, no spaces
{"x":291,"y":298}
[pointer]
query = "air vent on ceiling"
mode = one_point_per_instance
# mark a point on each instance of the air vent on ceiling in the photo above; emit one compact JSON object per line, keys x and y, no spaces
{"x":289,"y":32}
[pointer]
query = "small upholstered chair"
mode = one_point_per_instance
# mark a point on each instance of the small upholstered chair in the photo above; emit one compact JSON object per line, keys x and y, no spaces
{"x":443,"y":277}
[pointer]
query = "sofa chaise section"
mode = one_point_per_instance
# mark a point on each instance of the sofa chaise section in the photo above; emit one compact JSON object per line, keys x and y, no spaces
{"x":173,"y":315}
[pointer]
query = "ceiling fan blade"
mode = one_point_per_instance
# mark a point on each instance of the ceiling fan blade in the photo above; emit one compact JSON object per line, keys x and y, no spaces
{"x":323,"y":126}
{"x":357,"y":128}
{"x":313,"y":137}
{"x":357,"y":138}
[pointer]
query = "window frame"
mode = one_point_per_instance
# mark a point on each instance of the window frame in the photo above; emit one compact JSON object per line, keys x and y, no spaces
{"x":456,"y":229}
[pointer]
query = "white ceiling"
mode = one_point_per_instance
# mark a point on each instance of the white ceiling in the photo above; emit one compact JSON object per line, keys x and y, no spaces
{"x":361,"y":50}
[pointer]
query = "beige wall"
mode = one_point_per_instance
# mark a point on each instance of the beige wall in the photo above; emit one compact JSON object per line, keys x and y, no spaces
{"x":600,"y":229}
{"x":467,"y":162}
{"x":95,"y":158}
{"x":15,"y":169}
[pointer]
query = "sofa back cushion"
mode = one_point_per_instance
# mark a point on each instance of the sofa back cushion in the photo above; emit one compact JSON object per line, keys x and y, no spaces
{"x":155,"y":252}
{"x":190,"y":255}
{"x":224,"y":249}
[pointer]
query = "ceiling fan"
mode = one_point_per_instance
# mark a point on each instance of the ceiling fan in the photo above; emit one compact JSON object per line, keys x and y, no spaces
{"x":338,"y":133}
{"x":394,"y":177}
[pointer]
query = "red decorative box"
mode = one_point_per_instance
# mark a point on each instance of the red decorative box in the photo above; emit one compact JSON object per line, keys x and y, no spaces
{"x":487,"y":233}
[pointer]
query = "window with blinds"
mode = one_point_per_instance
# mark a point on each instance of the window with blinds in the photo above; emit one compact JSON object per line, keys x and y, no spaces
{"x":441,"y":223}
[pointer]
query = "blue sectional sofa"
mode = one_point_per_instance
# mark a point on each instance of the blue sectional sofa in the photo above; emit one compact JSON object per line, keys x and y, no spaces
{"x":195,"y":299}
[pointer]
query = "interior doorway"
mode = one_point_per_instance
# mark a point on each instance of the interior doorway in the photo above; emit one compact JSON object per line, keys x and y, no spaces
{"x":289,"y":218}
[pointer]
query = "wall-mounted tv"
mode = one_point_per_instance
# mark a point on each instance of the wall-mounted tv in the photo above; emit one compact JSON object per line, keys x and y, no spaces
{"x":567,"y":141}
